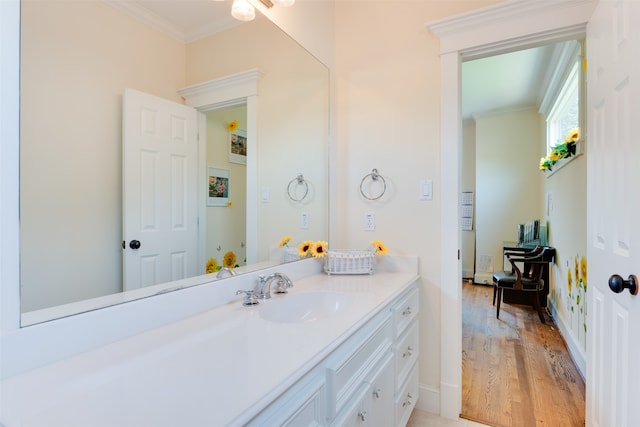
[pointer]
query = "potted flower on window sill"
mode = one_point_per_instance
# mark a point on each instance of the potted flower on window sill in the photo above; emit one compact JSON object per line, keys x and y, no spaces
{"x":561,"y":151}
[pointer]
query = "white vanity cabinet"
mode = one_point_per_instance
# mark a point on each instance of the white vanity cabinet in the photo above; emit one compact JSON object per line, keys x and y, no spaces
{"x":405,"y":314}
{"x":371,"y":379}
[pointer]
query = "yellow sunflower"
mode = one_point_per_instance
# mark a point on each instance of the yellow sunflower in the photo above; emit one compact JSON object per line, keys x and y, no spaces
{"x":573,"y":136}
{"x":304,"y":248}
{"x":211,"y":266}
{"x":380,"y":247}
{"x":569,"y":280}
{"x":319,"y":249}
{"x":583,"y":269}
{"x":232,"y":126}
{"x":229,"y":260}
{"x":285,"y":241}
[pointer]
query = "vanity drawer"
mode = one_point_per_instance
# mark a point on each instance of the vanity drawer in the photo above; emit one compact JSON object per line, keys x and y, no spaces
{"x":406,"y":351}
{"x":302,"y":405}
{"x":407,"y":397}
{"x":405,"y":311}
{"x":347,"y":370}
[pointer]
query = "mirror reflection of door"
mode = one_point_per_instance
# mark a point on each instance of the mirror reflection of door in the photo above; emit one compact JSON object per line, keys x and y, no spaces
{"x":160,"y":203}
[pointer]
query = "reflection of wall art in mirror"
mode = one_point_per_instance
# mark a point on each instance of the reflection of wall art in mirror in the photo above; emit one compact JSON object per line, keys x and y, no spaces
{"x":218,"y":191}
{"x":238,"y":146}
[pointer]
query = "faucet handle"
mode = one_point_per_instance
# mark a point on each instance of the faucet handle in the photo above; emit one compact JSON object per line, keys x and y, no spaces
{"x":250,"y":297}
{"x":282,"y":286}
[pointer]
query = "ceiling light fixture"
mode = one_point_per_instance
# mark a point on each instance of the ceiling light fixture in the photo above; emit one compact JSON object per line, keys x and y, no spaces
{"x":242,"y":10}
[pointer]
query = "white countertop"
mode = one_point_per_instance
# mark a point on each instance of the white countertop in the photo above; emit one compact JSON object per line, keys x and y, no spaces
{"x":218,"y":368}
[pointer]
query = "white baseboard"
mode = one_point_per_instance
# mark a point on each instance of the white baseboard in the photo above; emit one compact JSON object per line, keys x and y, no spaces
{"x":445,"y":404}
{"x":429,"y":400}
{"x":486,"y":278}
{"x":467,"y":274}
{"x":575,"y":351}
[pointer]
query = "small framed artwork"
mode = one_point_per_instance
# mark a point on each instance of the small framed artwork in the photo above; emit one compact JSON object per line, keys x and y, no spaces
{"x":218,"y":193}
{"x":238,"y":146}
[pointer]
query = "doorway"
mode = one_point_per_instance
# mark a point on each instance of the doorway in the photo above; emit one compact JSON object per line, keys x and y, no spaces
{"x":513,"y":28}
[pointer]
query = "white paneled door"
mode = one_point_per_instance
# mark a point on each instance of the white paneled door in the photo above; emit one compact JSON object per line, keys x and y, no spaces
{"x":160,"y":212}
{"x":613,"y":338}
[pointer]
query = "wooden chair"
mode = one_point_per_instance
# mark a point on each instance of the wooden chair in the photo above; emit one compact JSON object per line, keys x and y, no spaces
{"x":526,"y":275}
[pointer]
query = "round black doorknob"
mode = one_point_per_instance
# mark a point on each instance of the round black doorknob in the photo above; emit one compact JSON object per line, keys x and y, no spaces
{"x":617,"y":284}
{"x":134,"y":244}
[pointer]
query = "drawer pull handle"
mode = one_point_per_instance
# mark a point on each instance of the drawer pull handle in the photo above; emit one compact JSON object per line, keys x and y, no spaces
{"x":362,"y":415}
{"x":407,"y":311}
{"x":408,"y":401}
{"x":376,"y":393}
{"x":408,"y":353}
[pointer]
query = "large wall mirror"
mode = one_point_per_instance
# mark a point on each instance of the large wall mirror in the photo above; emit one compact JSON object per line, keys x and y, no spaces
{"x":77,"y":58}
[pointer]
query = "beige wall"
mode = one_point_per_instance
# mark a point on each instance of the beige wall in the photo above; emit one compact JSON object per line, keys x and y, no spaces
{"x":292,"y":115}
{"x":227,"y":225}
{"x":78,"y":185}
{"x":507,"y":181}
{"x":387,"y":115}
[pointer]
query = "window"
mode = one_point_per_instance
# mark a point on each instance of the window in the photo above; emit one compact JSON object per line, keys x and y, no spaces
{"x":565,"y":113}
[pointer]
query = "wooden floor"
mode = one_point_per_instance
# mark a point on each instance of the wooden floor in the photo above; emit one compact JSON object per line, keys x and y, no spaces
{"x":516,"y":371}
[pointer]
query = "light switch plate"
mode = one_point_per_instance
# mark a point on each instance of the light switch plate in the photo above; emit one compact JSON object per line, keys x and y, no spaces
{"x":426,"y":189}
{"x":265,"y":195}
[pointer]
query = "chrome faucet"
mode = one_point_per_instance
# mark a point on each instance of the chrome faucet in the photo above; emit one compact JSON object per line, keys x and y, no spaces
{"x":263,"y":290}
{"x":221,"y":272}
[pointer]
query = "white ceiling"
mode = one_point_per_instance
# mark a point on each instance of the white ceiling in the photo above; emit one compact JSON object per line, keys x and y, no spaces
{"x":185,"y":20}
{"x":504,"y":82}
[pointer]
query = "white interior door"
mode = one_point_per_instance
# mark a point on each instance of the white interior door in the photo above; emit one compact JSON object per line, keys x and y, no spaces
{"x":613,"y":340}
{"x":160,"y":203}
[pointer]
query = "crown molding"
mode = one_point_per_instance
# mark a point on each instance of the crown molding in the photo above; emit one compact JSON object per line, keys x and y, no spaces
{"x":467,"y":33}
{"x":227,"y":90}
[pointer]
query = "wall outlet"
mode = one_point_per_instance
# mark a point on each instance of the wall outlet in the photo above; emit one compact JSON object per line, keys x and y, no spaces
{"x":369,"y":221}
{"x":304,"y":220}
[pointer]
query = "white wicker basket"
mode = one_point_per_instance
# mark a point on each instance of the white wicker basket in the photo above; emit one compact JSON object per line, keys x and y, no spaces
{"x":290,"y":254}
{"x":346,"y":261}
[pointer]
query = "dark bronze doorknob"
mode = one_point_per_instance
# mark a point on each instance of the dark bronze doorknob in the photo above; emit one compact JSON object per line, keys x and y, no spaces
{"x":618,"y":284}
{"x":134,"y":244}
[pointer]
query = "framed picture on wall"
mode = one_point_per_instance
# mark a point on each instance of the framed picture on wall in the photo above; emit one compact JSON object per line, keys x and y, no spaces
{"x":218,"y":190}
{"x":238,"y":146}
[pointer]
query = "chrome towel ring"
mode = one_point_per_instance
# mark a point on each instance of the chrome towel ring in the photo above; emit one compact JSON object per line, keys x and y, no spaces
{"x":375,"y":176}
{"x":292,"y":190}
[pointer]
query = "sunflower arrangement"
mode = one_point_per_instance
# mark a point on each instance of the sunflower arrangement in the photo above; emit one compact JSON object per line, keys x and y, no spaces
{"x":379,"y":247}
{"x":229,"y":260}
{"x":561,"y":151}
{"x":285,"y":241}
{"x":319,"y":249}
{"x":304,"y":248}
{"x":211,"y":266}
{"x":231,"y":127}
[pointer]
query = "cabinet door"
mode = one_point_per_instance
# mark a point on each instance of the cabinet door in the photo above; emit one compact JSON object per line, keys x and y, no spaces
{"x":380,"y":410}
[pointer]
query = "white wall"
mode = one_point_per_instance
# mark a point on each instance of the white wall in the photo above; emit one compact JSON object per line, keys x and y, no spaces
{"x":507,"y":182}
{"x":568,"y":234}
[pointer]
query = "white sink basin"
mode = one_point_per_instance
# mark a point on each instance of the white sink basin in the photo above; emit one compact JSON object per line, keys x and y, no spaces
{"x":304,"y":307}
